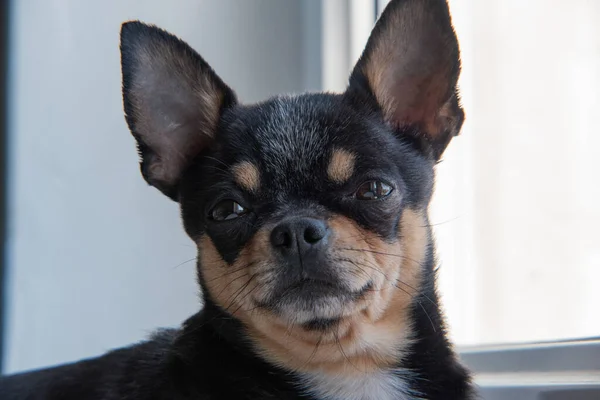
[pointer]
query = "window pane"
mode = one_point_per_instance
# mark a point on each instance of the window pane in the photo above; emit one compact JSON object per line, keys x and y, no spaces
{"x":518,"y":195}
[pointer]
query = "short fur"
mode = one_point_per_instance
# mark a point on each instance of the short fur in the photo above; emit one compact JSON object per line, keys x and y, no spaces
{"x":315,"y":253}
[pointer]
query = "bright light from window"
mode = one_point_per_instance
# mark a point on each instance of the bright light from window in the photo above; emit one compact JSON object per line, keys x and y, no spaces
{"x":517,"y":206}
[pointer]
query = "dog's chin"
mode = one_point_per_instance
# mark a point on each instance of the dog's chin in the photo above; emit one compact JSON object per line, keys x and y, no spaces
{"x":314,"y":304}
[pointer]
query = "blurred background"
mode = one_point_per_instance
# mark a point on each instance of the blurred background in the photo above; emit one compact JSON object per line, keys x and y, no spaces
{"x":95,"y":259}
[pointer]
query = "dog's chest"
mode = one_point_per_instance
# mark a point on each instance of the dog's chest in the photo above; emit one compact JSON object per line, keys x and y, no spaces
{"x":375,"y":386}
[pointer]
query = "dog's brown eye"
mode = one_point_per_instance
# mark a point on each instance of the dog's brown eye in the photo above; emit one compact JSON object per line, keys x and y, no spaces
{"x":226,"y":210}
{"x":373,"y":190}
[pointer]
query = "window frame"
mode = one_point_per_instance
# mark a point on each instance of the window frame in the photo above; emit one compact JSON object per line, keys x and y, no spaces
{"x":568,"y":369}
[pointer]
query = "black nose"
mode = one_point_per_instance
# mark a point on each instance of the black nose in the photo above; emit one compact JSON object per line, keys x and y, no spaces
{"x":299,"y":236}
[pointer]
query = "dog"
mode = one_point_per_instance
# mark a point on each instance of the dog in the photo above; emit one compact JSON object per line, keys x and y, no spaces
{"x":315,"y":253}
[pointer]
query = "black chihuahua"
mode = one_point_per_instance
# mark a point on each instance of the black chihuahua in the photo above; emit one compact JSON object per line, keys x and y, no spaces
{"x":315,"y":254}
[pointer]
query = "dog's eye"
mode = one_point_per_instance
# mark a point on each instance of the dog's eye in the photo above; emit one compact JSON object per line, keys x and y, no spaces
{"x":373,"y":190}
{"x":226,"y":210}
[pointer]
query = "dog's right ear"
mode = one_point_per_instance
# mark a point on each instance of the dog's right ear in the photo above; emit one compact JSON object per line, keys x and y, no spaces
{"x":173,"y":101}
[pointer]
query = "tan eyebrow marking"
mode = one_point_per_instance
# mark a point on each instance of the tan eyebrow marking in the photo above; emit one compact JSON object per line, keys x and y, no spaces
{"x":246,"y":175}
{"x":341,"y":165}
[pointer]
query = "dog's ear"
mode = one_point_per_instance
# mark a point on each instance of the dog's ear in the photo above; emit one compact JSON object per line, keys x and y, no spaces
{"x":410,"y":68}
{"x":173,"y":101}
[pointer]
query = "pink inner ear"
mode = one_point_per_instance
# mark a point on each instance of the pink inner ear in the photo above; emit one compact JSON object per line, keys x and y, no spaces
{"x":419,"y":101}
{"x":175,"y":101}
{"x":411,"y":64}
{"x":175,"y":149}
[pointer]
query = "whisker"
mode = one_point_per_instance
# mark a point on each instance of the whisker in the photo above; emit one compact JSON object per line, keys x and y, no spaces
{"x":361,"y":235}
{"x":196,"y":329}
{"x":221,"y":171}
{"x":423,"y":308}
{"x":185,"y":262}
{"x":440,"y":223}
{"x":216,"y":159}
{"x":359,"y":265}
{"x":245,"y":274}
{"x":223,"y":275}
{"x":416,"y":291}
{"x":427,"y":314}
{"x":339,"y":344}
{"x":402,"y":256}
{"x":240,"y":291}
{"x":243,"y":298}
{"x":314,"y":353}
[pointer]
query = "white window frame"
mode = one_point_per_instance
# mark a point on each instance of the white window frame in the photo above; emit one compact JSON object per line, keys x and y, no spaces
{"x":546,"y":371}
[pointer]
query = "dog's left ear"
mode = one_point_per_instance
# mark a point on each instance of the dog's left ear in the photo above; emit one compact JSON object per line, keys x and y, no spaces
{"x":173,"y":102}
{"x":410,"y":68}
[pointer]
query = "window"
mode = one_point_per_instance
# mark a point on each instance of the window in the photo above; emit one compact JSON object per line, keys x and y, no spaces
{"x":517,"y":201}
{"x":520,"y":190}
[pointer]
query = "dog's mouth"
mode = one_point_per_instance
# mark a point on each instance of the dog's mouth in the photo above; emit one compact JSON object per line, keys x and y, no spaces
{"x":307,"y":289}
{"x":317,"y":288}
{"x":314,"y":304}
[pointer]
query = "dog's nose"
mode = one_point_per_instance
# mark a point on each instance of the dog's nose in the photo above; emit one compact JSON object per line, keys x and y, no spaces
{"x":299,"y":236}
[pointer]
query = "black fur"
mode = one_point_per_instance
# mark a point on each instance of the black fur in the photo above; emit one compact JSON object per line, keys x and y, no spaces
{"x":290,"y":139}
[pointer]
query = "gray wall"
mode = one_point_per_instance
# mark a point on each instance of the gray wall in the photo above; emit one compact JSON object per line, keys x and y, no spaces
{"x":93,"y":253}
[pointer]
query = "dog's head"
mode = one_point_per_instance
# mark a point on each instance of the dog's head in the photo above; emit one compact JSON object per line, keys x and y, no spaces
{"x":309,"y":211}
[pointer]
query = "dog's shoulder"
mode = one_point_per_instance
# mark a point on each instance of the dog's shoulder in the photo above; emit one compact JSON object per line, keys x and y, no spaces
{"x":193,"y":362}
{"x":118,"y":374}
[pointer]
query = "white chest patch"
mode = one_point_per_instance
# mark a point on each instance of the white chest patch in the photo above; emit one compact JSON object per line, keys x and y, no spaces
{"x":384,"y":385}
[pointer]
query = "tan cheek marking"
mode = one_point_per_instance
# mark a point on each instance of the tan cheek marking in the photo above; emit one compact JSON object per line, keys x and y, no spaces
{"x":230,"y":286}
{"x":247,"y":176}
{"x":341,"y":166}
{"x":377,"y":329}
